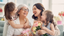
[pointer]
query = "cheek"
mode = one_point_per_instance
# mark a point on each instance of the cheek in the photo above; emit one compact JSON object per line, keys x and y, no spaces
{"x":34,"y":11}
{"x":21,"y":12}
{"x":27,"y":13}
{"x":38,"y":11}
{"x":43,"y":18}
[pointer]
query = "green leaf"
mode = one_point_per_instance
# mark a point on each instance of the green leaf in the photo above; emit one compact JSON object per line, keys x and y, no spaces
{"x":38,"y":28}
{"x":45,"y":35}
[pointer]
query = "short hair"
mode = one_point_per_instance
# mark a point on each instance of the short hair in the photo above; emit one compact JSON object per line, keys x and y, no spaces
{"x":20,"y":6}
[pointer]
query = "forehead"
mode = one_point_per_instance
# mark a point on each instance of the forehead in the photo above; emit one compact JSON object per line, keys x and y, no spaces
{"x":25,"y":7}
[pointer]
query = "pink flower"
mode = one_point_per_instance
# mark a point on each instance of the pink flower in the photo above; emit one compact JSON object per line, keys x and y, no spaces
{"x":27,"y":30}
{"x":63,"y":14}
{"x":24,"y":32}
{"x":35,"y":24}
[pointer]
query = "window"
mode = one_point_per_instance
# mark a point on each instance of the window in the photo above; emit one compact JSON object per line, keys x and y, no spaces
{"x":57,"y":6}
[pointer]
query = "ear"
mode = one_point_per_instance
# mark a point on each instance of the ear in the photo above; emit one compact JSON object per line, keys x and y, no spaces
{"x":19,"y":12}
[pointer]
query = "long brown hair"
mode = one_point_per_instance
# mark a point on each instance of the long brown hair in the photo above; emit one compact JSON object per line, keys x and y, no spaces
{"x":49,"y":17}
{"x":9,"y":7}
{"x":40,"y":7}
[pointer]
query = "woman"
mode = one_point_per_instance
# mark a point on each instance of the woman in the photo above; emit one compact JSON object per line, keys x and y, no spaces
{"x":22,"y":13}
{"x":37,"y":10}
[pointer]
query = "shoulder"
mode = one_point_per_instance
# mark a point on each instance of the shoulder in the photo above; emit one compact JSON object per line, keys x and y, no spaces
{"x":16,"y":19}
{"x":51,"y":25}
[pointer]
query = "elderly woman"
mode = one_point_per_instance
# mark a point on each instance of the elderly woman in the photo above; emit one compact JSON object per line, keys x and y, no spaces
{"x":22,"y":13}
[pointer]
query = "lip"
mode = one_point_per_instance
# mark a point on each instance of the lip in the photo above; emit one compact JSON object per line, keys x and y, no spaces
{"x":25,"y":14}
{"x":34,"y":13}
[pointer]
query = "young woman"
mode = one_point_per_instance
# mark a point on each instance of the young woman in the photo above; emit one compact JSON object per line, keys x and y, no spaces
{"x":38,"y":8}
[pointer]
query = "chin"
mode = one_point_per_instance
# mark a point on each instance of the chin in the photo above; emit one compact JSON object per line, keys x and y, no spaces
{"x":24,"y":16}
{"x":35,"y":15}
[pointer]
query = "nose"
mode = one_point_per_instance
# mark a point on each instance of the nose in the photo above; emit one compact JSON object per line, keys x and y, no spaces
{"x":25,"y":11}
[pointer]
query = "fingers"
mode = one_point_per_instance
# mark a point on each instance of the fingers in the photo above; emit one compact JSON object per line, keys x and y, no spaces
{"x":39,"y":33}
{"x":30,"y":34}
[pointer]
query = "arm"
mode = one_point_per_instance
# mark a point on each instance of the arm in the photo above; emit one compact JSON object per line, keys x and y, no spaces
{"x":15,"y":25}
{"x":51,"y":32}
{"x":27,"y":24}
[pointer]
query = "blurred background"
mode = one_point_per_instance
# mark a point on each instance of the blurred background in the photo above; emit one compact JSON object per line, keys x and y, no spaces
{"x":56,"y":6}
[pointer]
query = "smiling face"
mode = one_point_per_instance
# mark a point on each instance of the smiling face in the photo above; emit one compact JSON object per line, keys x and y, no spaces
{"x":43,"y":17}
{"x":36,"y":11}
{"x":23,"y":12}
{"x":15,"y":10}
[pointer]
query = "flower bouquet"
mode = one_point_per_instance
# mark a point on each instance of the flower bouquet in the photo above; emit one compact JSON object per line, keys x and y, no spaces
{"x":26,"y":32}
{"x":36,"y":27}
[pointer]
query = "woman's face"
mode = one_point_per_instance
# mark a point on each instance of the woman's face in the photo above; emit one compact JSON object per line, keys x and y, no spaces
{"x":43,"y":17}
{"x":24,"y":11}
{"x":36,"y":11}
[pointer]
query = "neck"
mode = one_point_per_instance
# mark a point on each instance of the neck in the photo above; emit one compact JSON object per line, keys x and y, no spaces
{"x":12,"y":15}
{"x":21,"y":18}
{"x":45,"y":21}
{"x":39,"y":18}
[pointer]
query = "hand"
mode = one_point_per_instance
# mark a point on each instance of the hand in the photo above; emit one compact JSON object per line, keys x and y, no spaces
{"x":43,"y":28}
{"x":21,"y":35}
{"x":30,"y":34}
{"x":41,"y":32}
{"x":26,"y":26}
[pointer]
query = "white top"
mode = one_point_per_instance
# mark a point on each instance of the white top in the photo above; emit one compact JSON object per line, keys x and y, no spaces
{"x":12,"y":31}
{"x":5,"y":27}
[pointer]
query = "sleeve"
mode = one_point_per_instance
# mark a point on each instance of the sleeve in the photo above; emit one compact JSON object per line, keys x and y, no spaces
{"x":57,"y":31}
{"x":10,"y":31}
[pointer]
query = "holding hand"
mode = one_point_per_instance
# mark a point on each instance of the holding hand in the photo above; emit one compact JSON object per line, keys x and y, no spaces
{"x":26,"y":25}
{"x":21,"y":35}
{"x":30,"y":34}
{"x":40,"y":32}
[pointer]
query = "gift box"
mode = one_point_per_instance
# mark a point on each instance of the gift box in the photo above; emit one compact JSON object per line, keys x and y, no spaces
{"x":26,"y":32}
{"x":59,"y":22}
